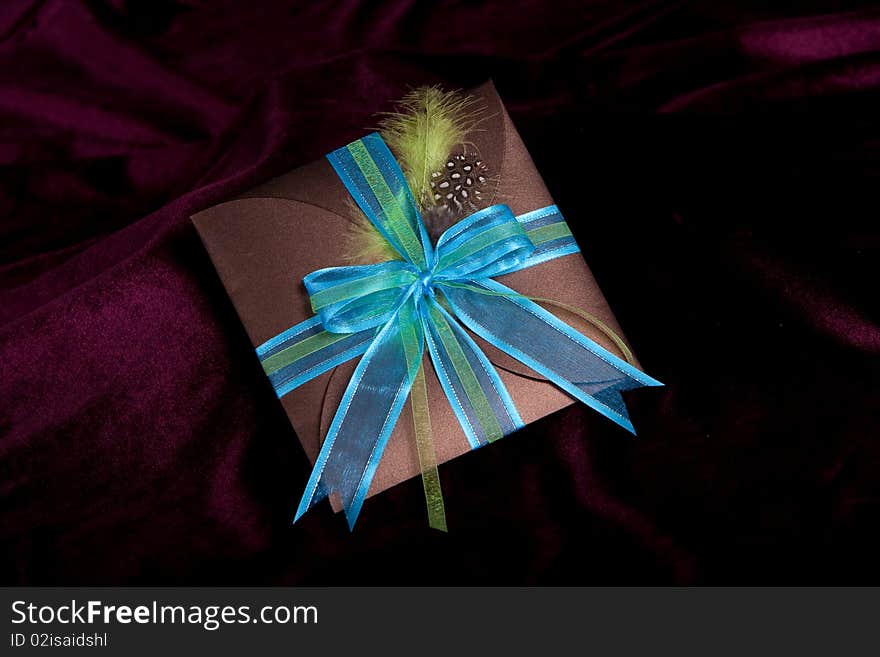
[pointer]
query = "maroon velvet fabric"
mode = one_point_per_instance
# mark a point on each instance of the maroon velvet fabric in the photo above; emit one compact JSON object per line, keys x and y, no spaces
{"x":718,"y":161}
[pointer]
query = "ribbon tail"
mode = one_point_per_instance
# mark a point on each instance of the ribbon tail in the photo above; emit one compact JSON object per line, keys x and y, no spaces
{"x":367,"y":415}
{"x":427,"y":457}
{"x":476,"y":393}
{"x":549,"y":346}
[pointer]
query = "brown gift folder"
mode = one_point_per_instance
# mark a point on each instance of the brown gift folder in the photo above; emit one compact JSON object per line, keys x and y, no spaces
{"x":264,"y":242}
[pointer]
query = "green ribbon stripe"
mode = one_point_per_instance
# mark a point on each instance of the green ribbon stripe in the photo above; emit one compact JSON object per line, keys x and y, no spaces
{"x":360,"y":288}
{"x":462,"y":367}
{"x":395,"y":216}
{"x":494,"y":234}
{"x":549,"y":232}
{"x":302,"y":349}
{"x":421,"y":416}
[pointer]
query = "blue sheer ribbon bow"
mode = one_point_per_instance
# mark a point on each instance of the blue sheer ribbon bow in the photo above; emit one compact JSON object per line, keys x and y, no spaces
{"x":391,"y":311}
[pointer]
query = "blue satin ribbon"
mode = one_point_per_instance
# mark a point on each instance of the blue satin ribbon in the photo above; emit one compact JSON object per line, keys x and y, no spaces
{"x":390,"y":312}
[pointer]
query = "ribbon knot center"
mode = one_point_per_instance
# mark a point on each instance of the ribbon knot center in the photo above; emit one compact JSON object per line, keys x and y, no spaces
{"x":426,"y":283}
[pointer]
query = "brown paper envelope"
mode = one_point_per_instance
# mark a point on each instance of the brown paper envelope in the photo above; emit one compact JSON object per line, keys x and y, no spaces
{"x":264,"y":242}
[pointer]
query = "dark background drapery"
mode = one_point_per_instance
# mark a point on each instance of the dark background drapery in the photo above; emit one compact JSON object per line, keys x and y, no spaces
{"x":718,"y":162}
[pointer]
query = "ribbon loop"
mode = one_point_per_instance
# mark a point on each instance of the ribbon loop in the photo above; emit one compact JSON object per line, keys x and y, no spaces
{"x":350,"y":299}
{"x":482,"y":245}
